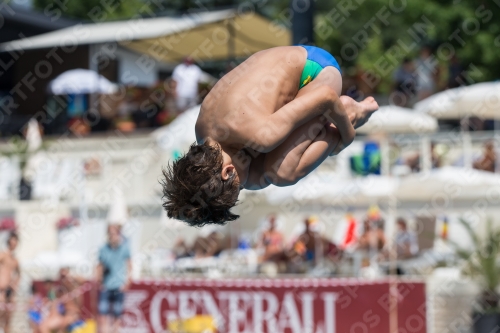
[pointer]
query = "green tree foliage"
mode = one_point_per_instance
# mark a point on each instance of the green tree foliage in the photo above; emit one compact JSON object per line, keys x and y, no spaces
{"x":368,"y":33}
{"x":481,"y":261}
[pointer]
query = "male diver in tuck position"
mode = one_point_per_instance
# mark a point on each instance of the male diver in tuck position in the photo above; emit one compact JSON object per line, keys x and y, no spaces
{"x":271,"y":120}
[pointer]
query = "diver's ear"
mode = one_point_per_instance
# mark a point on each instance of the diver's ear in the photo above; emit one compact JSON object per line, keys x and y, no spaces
{"x":228,"y":171}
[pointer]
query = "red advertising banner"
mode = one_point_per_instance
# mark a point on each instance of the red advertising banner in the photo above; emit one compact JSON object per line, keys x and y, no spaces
{"x":279,"y":305}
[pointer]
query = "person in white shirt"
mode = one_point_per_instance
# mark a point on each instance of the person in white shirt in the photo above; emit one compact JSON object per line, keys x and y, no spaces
{"x":186,"y":76}
{"x":406,"y":241}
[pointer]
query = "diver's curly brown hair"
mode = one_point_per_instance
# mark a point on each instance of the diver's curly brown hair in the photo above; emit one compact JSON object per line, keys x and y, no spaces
{"x":193,"y":188}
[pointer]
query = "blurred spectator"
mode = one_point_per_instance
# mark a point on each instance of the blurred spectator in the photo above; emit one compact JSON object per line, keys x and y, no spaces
{"x":35,"y":308}
{"x":143,"y":107}
{"x":309,"y":243}
{"x":436,"y":159}
{"x":50,"y":289}
{"x":65,"y":308}
{"x":9,"y":280}
{"x":146,"y":109}
{"x":53,"y":319}
{"x":404,"y":82}
{"x":488,"y":161}
{"x":68,"y":281}
{"x":271,"y":240}
{"x":180,"y":249}
{"x":78,"y":126}
{"x":208,"y":243}
{"x":210,"y":246}
{"x":204,"y":247}
{"x":427,"y":73}
{"x":311,"y":249}
{"x":187,"y":77}
{"x":455,"y":70}
{"x":113,"y":274}
{"x":125,"y":108}
{"x":406,"y":241}
{"x":73,"y":299}
{"x":373,"y":237}
{"x":108,"y":107}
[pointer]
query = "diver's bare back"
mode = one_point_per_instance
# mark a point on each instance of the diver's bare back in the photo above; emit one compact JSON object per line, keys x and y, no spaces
{"x":258,"y":87}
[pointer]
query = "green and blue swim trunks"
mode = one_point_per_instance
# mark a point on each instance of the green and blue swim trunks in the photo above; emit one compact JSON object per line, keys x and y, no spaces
{"x":317,"y":59}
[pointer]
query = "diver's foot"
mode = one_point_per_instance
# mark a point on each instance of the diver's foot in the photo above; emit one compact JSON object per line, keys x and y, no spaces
{"x":359,"y":112}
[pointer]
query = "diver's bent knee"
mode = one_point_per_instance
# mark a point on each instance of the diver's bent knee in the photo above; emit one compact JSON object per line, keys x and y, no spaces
{"x":334,"y":78}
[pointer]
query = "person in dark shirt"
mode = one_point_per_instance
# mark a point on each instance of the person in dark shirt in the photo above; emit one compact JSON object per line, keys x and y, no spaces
{"x":455,"y":70}
{"x":404,"y":82}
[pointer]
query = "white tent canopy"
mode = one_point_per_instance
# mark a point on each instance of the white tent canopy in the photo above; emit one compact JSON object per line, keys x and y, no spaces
{"x":204,"y":36}
{"x":480,"y":100}
{"x":117,"y":31}
{"x":81,"y":81}
{"x":395,"y":119}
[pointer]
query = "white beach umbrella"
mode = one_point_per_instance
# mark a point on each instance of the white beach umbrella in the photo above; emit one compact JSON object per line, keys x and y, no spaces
{"x":395,"y":119}
{"x":179,"y":133}
{"x":81,"y":81}
{"x":313,"y":188}
{"x":448,"y":183}
{"x":480,"y":100}
{"x":329,"y":188}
